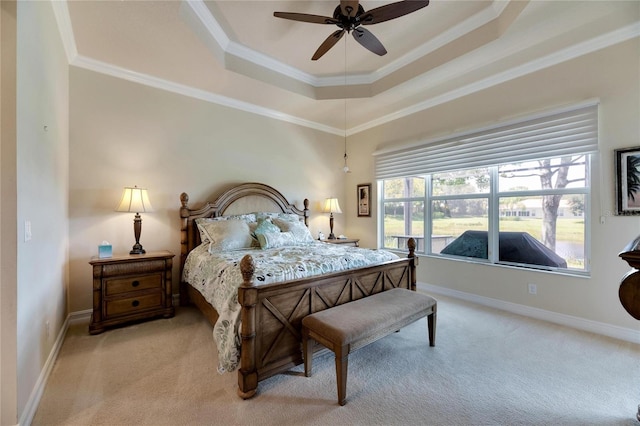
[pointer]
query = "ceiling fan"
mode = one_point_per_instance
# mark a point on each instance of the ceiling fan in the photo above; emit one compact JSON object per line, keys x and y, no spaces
{"x":349,"y":15}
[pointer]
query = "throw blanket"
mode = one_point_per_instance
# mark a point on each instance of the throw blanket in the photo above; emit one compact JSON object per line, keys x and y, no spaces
{"x":217,"y":277}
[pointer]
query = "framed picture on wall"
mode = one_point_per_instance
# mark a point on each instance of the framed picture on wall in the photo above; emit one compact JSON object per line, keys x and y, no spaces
{"x":628,"y":181}
{"x":364,"y":199}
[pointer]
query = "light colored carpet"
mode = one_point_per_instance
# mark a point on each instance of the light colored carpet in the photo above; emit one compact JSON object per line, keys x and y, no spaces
{"x":488,"y":368}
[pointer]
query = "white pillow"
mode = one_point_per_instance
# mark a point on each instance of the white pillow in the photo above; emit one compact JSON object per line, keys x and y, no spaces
{"x":249,"y":217}
{"x":292,"y":217}
{"x":246,"y":217}
{"x":201,"y":221}
{"x":298,"y":229}
{"x":224,"y":235}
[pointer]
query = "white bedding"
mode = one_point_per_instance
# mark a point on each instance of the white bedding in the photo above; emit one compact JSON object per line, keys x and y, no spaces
{"x":217,"y":277}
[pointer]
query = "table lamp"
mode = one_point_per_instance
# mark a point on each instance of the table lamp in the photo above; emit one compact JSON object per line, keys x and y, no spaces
{"x":135,"y":200}
{"x":331,"y":206}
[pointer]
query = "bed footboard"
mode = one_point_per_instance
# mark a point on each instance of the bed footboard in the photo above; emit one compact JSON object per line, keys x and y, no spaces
{"x":272,"y":314}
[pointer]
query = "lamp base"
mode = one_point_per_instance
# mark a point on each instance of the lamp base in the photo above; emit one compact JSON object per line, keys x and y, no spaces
{"x":137,"y":249}
{"x":331,"y":234}
{"x":137,"y":230}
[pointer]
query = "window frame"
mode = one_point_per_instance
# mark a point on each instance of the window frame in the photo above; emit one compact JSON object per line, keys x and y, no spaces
{"x":493,"y":197}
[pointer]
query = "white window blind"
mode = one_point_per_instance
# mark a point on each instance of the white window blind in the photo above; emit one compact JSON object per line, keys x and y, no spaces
{"x":567,"y":132}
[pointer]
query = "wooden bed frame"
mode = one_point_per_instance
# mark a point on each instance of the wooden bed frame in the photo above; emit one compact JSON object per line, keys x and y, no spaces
{"x":272,"y":314}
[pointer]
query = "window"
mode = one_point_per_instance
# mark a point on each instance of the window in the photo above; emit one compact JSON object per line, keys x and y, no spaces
{"x":459,"y":203}
{"x":404,"y":201}
{"x":535,"y":217}
{"x":546,"y":200}
{"x":515,"y":194}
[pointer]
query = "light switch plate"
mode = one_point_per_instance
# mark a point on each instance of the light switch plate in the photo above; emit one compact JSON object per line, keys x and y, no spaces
{"x":27,"y":231}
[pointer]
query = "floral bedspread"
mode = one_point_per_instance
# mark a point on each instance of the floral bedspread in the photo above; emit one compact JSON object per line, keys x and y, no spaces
{"x":217,"y":277}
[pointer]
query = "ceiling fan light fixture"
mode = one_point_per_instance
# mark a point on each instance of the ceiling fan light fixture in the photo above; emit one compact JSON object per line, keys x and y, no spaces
{"x":348,"y":21}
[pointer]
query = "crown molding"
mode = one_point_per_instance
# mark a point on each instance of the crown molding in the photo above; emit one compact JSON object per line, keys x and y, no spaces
{"x":66,"y":32}
{"x":459,"y":30}
{"x":215,"y":32}
{"x":566,"y":54}
{"x":202,"y":12}
{"x":181,"y":89}
{"x":61,"y":12}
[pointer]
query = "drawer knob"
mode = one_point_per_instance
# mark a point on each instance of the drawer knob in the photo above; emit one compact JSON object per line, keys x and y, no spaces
{"x":135,"y":303}
{"x":135,"y":283}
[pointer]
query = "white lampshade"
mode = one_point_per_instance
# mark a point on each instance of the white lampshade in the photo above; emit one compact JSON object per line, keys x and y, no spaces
{"x":331,"y":205}
{"x":134,"y":200}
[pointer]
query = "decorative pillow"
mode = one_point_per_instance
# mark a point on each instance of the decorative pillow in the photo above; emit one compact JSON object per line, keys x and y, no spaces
{"x":276,"y":239}
{"x":249,"y":217}
{"x":225,"y":235}
{"x":252,"y":231}
{"x":265,"y":225}
{"x":298,"y":229}
{"x":274,"y":215}
{"x":262,"y":226}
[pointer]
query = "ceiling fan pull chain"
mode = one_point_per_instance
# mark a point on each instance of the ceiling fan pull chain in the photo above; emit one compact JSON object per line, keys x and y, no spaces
{"x":345,"y":169}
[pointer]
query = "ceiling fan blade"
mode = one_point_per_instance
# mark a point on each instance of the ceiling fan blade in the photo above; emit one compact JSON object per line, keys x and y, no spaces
{"x":392,"y":11}
{"x":369,"y":41}
{"x":349,"y":7}
{"x":328,"y":44}
{"x":305,"y":17}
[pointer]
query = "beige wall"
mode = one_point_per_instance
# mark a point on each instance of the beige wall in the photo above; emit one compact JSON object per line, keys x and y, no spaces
{"x":125,"y":134}
{"x":8,"y":231}
{"x":42,"y":169}
{"x":613,"y":76}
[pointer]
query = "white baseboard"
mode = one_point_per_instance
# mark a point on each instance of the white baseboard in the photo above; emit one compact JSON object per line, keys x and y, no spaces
{"x":609,"y":330}
{"x":78,"y":317}
{"x":34,"y":399}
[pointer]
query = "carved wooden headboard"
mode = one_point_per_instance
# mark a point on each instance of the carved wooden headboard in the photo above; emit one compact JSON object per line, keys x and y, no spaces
{"x":243,"y":198}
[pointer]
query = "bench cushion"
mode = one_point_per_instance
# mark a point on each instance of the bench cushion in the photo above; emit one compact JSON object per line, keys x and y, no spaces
{"x":351,"y":323}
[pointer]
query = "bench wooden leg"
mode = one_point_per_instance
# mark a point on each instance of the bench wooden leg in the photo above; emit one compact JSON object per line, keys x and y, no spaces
{"x":431,"y":323}
{"x":342,"y":364}
{"x":307,"y":352}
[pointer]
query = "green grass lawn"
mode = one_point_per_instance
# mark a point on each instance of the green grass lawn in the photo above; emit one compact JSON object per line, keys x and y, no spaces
{"x":568,"y":229}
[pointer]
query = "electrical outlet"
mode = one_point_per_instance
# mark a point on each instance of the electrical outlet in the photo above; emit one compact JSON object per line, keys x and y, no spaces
{"x":533,"y":289}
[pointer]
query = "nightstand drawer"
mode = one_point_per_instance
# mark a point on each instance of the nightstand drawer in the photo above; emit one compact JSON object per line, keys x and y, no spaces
{"x":124,"y":285}
{"x":133,"y":304}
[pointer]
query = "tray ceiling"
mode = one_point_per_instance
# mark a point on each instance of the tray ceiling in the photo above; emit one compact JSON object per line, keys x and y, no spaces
{"x":236,"y":53}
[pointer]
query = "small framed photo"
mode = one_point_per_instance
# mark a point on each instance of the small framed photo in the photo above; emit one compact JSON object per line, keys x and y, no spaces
{"x":628,"y":181}
{"x":364,"y":199}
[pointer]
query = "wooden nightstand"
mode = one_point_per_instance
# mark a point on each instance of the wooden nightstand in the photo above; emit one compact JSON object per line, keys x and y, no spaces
{"x":131,"y":288}
{"x":352,"y":241}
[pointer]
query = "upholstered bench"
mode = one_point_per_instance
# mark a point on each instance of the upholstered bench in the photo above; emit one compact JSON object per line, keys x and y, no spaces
{"x":350,"y":326}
